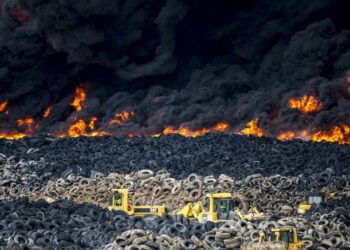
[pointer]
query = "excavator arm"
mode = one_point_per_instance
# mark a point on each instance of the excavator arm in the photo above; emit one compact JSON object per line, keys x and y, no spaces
{"x":253,"y":214}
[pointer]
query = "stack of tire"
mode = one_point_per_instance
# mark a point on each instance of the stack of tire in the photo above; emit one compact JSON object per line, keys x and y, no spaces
{"x":54,"y":192}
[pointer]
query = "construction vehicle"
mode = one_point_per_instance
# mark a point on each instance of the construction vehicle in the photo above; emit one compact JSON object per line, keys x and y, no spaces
{"x":119,"y":201}
{"x":288,"y":235}
{"x":222,"y":207}
{"x":313,"y":200}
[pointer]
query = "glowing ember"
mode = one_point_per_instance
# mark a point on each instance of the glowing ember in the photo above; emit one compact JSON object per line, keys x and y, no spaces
{"x":306,"y":104}
{"x":97,"y":133}
{"x":3,"y":106}
{"x":348,"y":81}
{"x":47,"y":112}
{"x":79,"y":97}
{"x":28,"y":122}
{"x":21,"y":14}
{"x":252,"y":128}
{"x":121,"y":118}
{"x":185,"y":131}
{"x":131,"y":135}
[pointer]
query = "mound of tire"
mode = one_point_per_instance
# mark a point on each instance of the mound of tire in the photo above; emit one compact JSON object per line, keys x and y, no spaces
{"x":212,"y":154}
{"x":278,"y":195}
{"x":66,"y":225}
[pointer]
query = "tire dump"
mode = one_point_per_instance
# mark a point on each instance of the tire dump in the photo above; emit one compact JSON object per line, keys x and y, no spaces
{"x":50,"y":201}
{"x":174,"y":124}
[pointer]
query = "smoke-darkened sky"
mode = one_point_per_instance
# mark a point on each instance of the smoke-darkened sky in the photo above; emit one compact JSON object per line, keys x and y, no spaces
{"x":175,"y":62}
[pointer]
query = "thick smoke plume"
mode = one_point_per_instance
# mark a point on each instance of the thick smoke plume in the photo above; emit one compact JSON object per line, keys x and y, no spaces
{"x":173,"y":63}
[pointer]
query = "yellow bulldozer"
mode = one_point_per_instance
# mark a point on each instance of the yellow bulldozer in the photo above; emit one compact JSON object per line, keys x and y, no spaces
{"x":314,"y":199}
{"x":221,"y":207}
{"x":284,"y":238}
{"x":119,"y":201}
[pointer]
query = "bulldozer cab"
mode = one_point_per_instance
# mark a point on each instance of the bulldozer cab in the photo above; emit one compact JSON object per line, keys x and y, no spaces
{"x":217,"y":207}
{"x":288,"y":235}
{"x":223,"y":207}
{"x":115,"y":199}
{"x":220,"y":206}
{"x":118,"y":200}
{"x":315,"y":198}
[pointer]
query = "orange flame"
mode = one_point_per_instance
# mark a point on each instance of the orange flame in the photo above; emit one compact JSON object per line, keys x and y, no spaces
{"x":79,"y":97}
{"x":81,"y":128}
{"x":121,"y":118}
{"x":92,"y":123}
{"x":3,"y":106}
{"x":186,"y":131}
{"x":47,"y":112}
{"x":29,"y":122}
{"x":77,"y":129}
{"x":221,"y":127}
{"x":12,"y":136}
{"x":306,"y":104}
{"x":348,"y":81}
{"x":286,"y":135}
{"x":252,"y":128}
{"x":339,"y":134}
{"x":293,"y":134}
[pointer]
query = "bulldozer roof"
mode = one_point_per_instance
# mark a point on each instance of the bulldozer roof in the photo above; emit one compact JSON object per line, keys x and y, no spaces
{"x":220,"y":195}
{"x":121,"y":190}
{"x":321,"y":194}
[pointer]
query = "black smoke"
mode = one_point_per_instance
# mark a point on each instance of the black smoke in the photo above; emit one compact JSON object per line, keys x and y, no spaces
{"x":175,"y":62}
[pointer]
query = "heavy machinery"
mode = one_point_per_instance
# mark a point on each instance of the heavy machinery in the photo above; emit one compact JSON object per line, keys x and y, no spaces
{"x":314,"y":199}
{"x":119,"y":201}
{"x":221,"y":207}
{"x":287,"y":238}
{"x":286,"y":234}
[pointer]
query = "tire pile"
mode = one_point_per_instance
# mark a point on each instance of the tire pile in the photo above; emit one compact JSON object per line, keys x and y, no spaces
{"x":212,"y":154}
{"x":53,"y":192}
